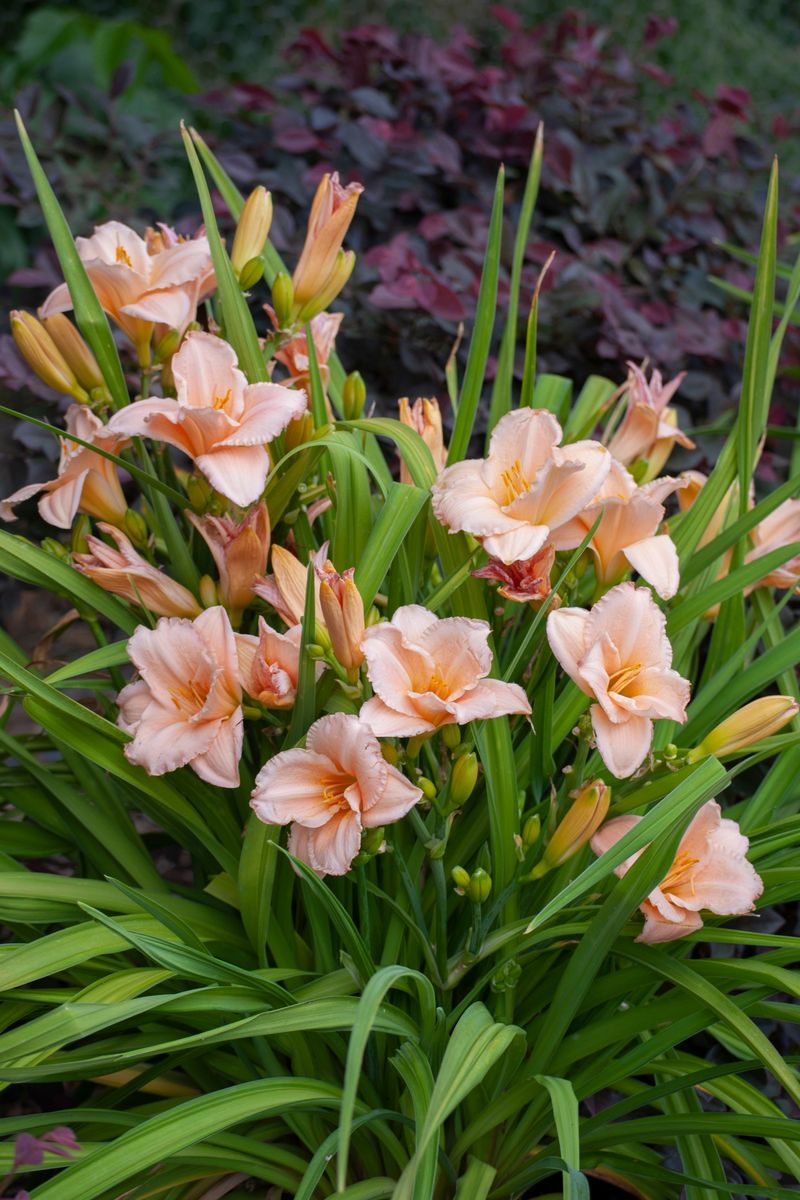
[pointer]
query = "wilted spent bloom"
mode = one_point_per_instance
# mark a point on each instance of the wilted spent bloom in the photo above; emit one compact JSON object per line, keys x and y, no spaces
{"x":649,"y":428}
{"x":710,"y":870}
{"x":252,"y":230}
{"x":755,"y":721}
{"x":343,"y":614}
{"x":322,"y":268}
{"x":239,"y":549}
{"x":42,"y":355}
{"x":269,"y":664}
{"x":294,"y":354}
{"x":527,"y":581}
{"x":86,"y":482}
{"x":425,"y":418}
{"x":583,"y":818}
{"x":124,"y":572}
{"x":75,"y":351}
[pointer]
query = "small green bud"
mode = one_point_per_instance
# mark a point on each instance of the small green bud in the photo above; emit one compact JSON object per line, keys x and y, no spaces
{"x":354,"y":396}
{"x":136,"y":527}
{"x":82,"y":526}
{"x":167,"y":346}
{"x":463,"y":778}
{"x":429,"y":788}
{"x":199,"y":492}
{"x":372,"y":841}
{"x":283,"y":299}
{"x":55,"y":549}
{"x":251,"y":273}
{"x":460,"y":877}
{"x":451,"y":736}
{"x":208,"y":592}
{"x":479,"y":887}
{"x":531,"y":830}
{"x":390,"y":754}
{"x":670,"y":751}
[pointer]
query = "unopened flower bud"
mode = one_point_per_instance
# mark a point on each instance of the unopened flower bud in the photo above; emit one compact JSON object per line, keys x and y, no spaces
{"x":531,"y":830}
{"x":584,"y":817}
{"x":283,"y":299}
{"x":251,"y":273}
{"x":208,"y":591}
{"x":81,"y":528}
{"x":451,"y":736}
{"x":166,"y":347}
{"x":136,"y":527}
{"x":343,"y":269}
{"x":343,"y":612}
{"x":75,"y":351}
{"x":298,"y":431}
{"x":251,"y":234}
{"x":354,"y":396}
{"x":372,"y":841}
{"x":460,"y":877}
{"x":463,"y":778}
{"x":756,"y":721}
{"x":199,"y":492}
{"x":55,"y":549}
{"x":43,"y":356}
{"x":323,"y":267}
{"x":670,"y":752}
{"x":427,"y":787}
{"x":390,"y":754}
{"x":479,"y":887}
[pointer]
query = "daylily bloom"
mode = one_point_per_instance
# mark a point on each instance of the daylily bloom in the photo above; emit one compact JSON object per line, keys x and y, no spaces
{"x":627,"y":535}
{"x":526,"y":487}
{"x":124,"y":572}
{"x":141,"y":282}
{"x":185,"y":708}
{"x":294,"y":354}
{"x":425,"y":418}
{"x":219,"y":420}
{"x":285,"y":588}
{"x":239,"y":549}
{"x":428,"y":672}
{"x":780,"y":528}
{"x":339,"y":785}
{"x":619,"y":654}
{"x":649,"y":428}
{"x":710,"y":871}
{"x":86,"y":482}
{"x":527,"y":581}
{"x":322,"y":266}
{"x":343,"y":613}
{"x":269,"y":665}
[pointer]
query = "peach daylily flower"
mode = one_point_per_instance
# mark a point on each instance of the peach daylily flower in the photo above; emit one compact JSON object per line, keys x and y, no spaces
{"x":219,"y":420}
{"x":185,"y":709}
{"x":86,"y":482}
{"x":294,"y":354}
{"x":123,"y":571}
{"x":285,"y":588}
{"x":527,"y":487}
{"x":649,"y":428}
{"x":239,"y":549}
{"x":425,"y":418}
{"x":627,"y":535}
{"x":620,"y":655}
{"x":339,"y":785}
{"x":141,"y":283}
{"x":428,"y":672}
{"x":320,"y":268}
{"x":527,"y":582}
{"x":269,"y":665}
{"x":710,"y":871}
{"x":779,"y":528}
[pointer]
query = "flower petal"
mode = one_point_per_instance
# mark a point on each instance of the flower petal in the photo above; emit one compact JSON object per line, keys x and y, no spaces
{"x":331,"y":848}
{"x":239,"y":472}
{"x":656,"y":560}
{"x":623,"y":747}
{"x":220,"y":763}
{"x":289,"y":788}
{"x":385,"y":722}
{"x":398,"y":797}
{"x":567,"y":630}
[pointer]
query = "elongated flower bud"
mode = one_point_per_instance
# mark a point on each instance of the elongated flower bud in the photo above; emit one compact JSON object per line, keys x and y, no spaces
{"x":463,"y":779}
{"x":342,"y":270}
{"x":282,"y":299}
{"x":252,"y":230}
{"x":43,"y":356}
{"x":354,"y":396}
{"x":584,"y":818}
{"x":74,"y":350}
{"x":748,"y":725}
{"x":343,"y":612}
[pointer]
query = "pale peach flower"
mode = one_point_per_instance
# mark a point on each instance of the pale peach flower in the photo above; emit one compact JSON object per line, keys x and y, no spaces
{"x":649,"y":428}
{"x":285,"y":588}
{"x":526,"y":487}
{"x":710,"y":871}
{"x":339,"y":785}
{"x":628,"y":533}
{"x":294,"y":354}
{"x":343,"y":613}
{"x":425,"y":418}
{"x":219,"y":420}
{"x":86,"y":482}
{"x":780,"y":528}
{"x":123,"y":571}
{"x":185,"y":709}
{"x":239,"y":549}
{"x":269,"y":665}
{"x":141,"y":283}
{"x":620,"y":655}
{"x":528,"y":581}
{"x":428,"y":672}
{"x":319,"y":266}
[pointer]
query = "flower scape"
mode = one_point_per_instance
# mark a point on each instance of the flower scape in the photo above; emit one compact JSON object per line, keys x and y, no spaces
{"x":380,"y":837}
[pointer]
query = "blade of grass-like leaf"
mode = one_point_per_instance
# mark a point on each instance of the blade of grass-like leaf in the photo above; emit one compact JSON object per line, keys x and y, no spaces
{"x":306,"y":699}
{"x":528,"y":397}
{"x":482,"y":331}
{"x":398,"y":513}
{"x":89,"y":315}
{"x":416,"y":454}
{"x":692,"y":607}
{"x":239,"y":328}
{"x":594,"y":398}
{"x":476,"y":1182}
{"x":503,"y":380}
{"x":565,"y":1113}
